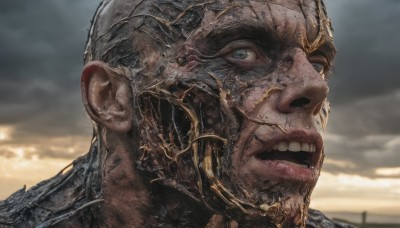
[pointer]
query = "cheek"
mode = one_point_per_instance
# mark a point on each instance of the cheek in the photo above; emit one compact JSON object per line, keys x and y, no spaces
{"x":259,"y":103}
{"x":251,"y":97}
{"x":324,"y":115}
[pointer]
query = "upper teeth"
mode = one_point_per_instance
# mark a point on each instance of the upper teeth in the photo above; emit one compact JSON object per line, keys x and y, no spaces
{"x":294,"y":147}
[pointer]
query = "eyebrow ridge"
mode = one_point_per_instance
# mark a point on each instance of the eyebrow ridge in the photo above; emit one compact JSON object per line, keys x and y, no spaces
{"x":243,"y":27}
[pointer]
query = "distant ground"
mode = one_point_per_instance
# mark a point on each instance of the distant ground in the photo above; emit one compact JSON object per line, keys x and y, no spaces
{"x":382,"y":226}
{"x":376,"y":220}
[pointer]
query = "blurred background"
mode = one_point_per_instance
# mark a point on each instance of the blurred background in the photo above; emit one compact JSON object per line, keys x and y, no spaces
{"x":43,"y":125}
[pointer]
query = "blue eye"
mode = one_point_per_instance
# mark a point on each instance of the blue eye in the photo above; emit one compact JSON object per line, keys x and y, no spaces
{"x":320,"y":68}
{"x":243,"y":54}
{"x":240,"y":54}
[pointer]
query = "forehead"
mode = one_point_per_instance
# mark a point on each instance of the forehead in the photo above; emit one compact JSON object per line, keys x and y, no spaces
{"x":296,"y":21}
{"x":301,"y":23}
{"x":175,"y":22}
{"x":281,"y":14}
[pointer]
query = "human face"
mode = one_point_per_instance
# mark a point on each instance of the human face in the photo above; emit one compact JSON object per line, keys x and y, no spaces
{"x":253,"y":78}
{"x":270,"y":62}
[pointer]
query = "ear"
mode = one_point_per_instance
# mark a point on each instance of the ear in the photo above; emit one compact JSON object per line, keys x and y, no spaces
{"x":106,"y":97}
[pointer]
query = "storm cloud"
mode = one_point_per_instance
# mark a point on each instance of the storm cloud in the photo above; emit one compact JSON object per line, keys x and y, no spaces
{"x":365,"y":87}
{"x":367,"y":37}
{"x":41,"y":46}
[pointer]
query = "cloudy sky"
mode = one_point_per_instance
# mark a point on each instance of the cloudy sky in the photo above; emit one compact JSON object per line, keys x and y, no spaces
{"x":43,"y":125}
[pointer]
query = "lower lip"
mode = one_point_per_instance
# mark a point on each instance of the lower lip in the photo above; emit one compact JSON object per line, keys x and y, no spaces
{"x":283,"y":170}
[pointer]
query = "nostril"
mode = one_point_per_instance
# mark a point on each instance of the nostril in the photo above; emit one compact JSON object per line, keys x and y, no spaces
{"x":300,"y":102}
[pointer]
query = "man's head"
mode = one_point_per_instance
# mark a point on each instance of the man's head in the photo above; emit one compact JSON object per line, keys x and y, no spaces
{"x":224,"y":101}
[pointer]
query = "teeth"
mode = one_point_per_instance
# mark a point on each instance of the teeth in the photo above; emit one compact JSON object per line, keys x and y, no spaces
{"x":294,"y":146}
{"x":305,"y":147}
{"x":282,"y":146}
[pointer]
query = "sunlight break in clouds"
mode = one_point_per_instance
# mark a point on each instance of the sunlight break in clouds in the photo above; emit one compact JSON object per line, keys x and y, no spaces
{"x":17,"y":171}
{"x":388,"y":171}
{"x":5,"y":133}
{"x":355,"y":193}
{"x":28,"y":163}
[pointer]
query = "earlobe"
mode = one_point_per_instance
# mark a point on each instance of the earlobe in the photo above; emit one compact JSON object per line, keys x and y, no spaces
{"x":106,"y":96}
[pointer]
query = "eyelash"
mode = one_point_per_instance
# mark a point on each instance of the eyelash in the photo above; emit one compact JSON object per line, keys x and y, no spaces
{"x":229,"y":50}
{"x":247,"y":51}
{"x":318,"y":62}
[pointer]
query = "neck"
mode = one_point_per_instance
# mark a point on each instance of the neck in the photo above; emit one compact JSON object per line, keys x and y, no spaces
{"x":129,"y":202}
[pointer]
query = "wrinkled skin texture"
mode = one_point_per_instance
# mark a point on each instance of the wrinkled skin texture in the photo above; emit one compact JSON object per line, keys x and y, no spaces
{"x":189,"y":99}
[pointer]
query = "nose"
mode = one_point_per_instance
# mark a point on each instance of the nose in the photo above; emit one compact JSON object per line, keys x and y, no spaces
{"x":306,"y":90}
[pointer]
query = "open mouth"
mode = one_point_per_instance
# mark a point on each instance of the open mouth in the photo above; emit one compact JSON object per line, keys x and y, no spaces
{"x":300,"y":158}
{"x":293,"y":152}
{"x":295,"y":156}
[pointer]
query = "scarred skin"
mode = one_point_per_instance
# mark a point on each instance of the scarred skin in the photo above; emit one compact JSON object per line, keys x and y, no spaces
{"x":186,"y":99}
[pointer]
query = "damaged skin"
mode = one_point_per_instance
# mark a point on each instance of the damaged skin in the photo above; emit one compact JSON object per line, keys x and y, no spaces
{"x":230,"y":101}
{"x":206,"y":113}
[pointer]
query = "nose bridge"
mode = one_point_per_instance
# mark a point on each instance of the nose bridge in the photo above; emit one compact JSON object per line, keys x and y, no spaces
{"x":306,"y":89}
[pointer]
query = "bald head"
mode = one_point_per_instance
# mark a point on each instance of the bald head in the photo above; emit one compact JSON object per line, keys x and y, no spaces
{"x":117,"y":23}
{"x":116,"y":26}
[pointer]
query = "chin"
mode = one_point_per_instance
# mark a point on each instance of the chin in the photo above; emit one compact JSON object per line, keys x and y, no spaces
{"x":285,"y":203}
{"x":275,"y":176}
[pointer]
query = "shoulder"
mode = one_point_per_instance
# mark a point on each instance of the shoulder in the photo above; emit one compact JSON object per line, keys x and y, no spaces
{"x":64,"y":197}
{"x":317,"y":219}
